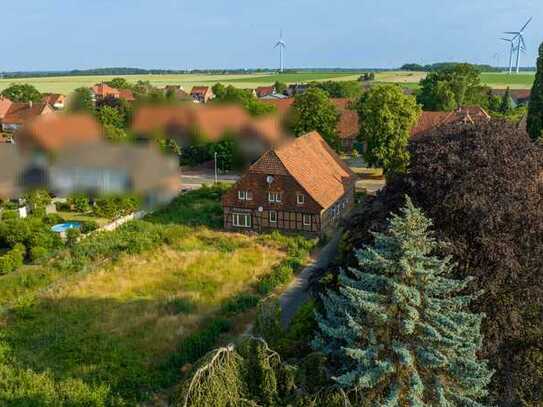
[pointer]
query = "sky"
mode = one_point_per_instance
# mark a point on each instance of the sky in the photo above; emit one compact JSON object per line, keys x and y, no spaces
{"x":191,"y":34}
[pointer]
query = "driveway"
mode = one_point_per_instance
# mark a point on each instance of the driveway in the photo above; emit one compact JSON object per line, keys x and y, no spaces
{"x":296,"y":293}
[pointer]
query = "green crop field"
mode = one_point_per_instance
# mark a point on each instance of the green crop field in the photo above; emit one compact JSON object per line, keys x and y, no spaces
{"x":66,"y":84}
{"x":495,"y":80}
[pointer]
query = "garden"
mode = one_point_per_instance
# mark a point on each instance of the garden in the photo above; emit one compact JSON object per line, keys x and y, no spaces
{"x":115,"y":317}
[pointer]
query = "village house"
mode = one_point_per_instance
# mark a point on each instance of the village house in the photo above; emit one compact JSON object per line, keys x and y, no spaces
{"x":520,"y":97}
{"x":190,"y":123}
{"x":56,"y":100}
{"x":263,"y":91}
{"x":300,"y":186}
{"x":18,"y":113}
{"x":202,"y":94}
{"x":101,"y":91}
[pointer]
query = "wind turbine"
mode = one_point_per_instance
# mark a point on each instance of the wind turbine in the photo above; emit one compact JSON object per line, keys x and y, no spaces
{"x":521,"y":45}
{"x":282,"y":45}
{"x":512,"y":50}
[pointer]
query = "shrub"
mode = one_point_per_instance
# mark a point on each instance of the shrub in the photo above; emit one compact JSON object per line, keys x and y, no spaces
{"x":116,"y":206}
{"x":239,"y":304}
{"x":88,"y":226}
{"x":52,"y":219}
{"x":62,"y":207}
{"x":79,"y":202}
{"x":12,"y":260}
{"x":9,"y":214}
{"x":72,"y":236}
{"x":38,"y":253}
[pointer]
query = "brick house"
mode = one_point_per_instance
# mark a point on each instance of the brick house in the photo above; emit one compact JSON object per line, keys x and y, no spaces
{"x":101,"y":91}
{"x":56,"y":100}
{"x":202,"y":94}
{"x":300,"y":186}
{"x":18,"y":113}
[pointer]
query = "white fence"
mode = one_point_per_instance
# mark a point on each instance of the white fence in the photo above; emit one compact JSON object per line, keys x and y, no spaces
{"x":121,"y":221}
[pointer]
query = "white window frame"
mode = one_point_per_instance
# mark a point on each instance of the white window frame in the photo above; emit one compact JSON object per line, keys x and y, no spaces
{"x":242,"y":195}
{"x":236,"y":220}
{"x":274,"y":197}
{"x":300,"y":199}
{"x":306,"y":216}
{"x":274,"y":220}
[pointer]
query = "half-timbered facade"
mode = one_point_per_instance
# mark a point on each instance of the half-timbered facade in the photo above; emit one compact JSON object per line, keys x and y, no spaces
{"x":300,"y":186}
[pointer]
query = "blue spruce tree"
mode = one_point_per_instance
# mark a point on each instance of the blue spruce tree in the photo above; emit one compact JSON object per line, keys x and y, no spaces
{"x":398,"y":331}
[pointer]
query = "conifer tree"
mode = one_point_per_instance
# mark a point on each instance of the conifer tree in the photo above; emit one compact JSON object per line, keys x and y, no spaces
{"x":535,"y":108}
{"x":398,"y":331}
{"x":506,"y":104}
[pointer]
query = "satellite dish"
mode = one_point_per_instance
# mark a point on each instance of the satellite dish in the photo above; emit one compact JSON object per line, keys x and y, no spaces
{"x":260,"y":209}
{"x":269,"y":179}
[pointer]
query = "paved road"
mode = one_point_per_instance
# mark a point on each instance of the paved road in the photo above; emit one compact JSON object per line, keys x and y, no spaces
{"x":296,"y":293}
{"x":195,"y":179}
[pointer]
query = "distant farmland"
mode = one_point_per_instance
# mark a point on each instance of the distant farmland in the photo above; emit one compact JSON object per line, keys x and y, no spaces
{"x":66,"y":84}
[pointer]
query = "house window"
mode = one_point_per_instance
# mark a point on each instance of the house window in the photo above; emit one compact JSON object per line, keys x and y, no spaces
{"x":273,"y":216}
{"x":307,"y":220}
{"x":300,"y":199}
{"x":245,"y":195}
{"x":274,"y":197}
{"x":242,"y":220}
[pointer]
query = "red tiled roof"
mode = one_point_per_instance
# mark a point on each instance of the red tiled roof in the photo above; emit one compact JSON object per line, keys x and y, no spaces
{"x":127,"y":95}
{"x":211,"y":120}
{"x":55,"y":131}
{"x":348,"y":124}
{"x":19,"y":113}
{"x":104,"y":90}
{"x":53,"y":98}
{"x":262,"y":91}
{"x":313,"y":164}
{"x":5,"y":104}
{"x":199,"y":90}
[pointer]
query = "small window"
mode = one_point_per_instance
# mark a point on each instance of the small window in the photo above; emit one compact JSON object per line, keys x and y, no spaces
{"x":242,"y":195}
{"x":300,"y":199}
{"x":273,"y":216}
{"x":307,"y":220}
{"x":242,"y":220}
{"x":249,"y":195}
{"x":274,"y":197}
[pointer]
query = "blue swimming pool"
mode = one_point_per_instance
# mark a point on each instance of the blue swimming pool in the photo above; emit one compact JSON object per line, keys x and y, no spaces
{"x":63,"y":227}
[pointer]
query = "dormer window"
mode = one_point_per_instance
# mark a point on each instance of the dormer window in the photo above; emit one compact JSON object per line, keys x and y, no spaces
{"x":300,"y":199}
{"x":274,"y":197}
{"x":245,"y":195}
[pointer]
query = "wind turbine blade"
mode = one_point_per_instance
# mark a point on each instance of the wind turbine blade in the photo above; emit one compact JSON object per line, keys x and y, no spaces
{"x":523,"y":43}
{"x":525,"y":25}
{"x":506,"y":39}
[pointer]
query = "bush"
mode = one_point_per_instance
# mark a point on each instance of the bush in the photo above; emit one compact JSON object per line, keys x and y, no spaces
{"x":116,"y":206}
{"x":38,"y":253}
{"x":72,"y":236}
{"x":63,"y":207}
{"x":12,"y":260}
{"x":79,"y":202}
{"x":88,"y":226}
{"x":9,"y":214}
{"x":239,"y":304}
{"x":280,"y":275}
{"x":52,"y":219}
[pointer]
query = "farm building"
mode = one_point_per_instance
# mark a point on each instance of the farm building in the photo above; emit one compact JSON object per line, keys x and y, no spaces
{"x":300,"y":186}
{"x":202,"y":94}
{"x":56,"y":100}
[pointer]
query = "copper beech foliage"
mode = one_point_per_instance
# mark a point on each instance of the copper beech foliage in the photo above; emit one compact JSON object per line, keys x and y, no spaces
{"x":482,"y":185}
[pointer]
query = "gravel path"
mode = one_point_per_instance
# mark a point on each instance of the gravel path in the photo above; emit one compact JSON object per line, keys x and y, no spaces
{"x":296,"y":293}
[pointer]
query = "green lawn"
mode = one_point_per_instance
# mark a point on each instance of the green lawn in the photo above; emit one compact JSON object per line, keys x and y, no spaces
{"x":114,"y":319}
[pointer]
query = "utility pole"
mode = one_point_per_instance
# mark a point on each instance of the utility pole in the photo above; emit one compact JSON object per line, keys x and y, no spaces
{"x":215,"y":156}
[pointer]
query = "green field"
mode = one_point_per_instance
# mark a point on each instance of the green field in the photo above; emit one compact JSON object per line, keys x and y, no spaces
{"x":494,"y":80}
{"x":66,"y":84}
